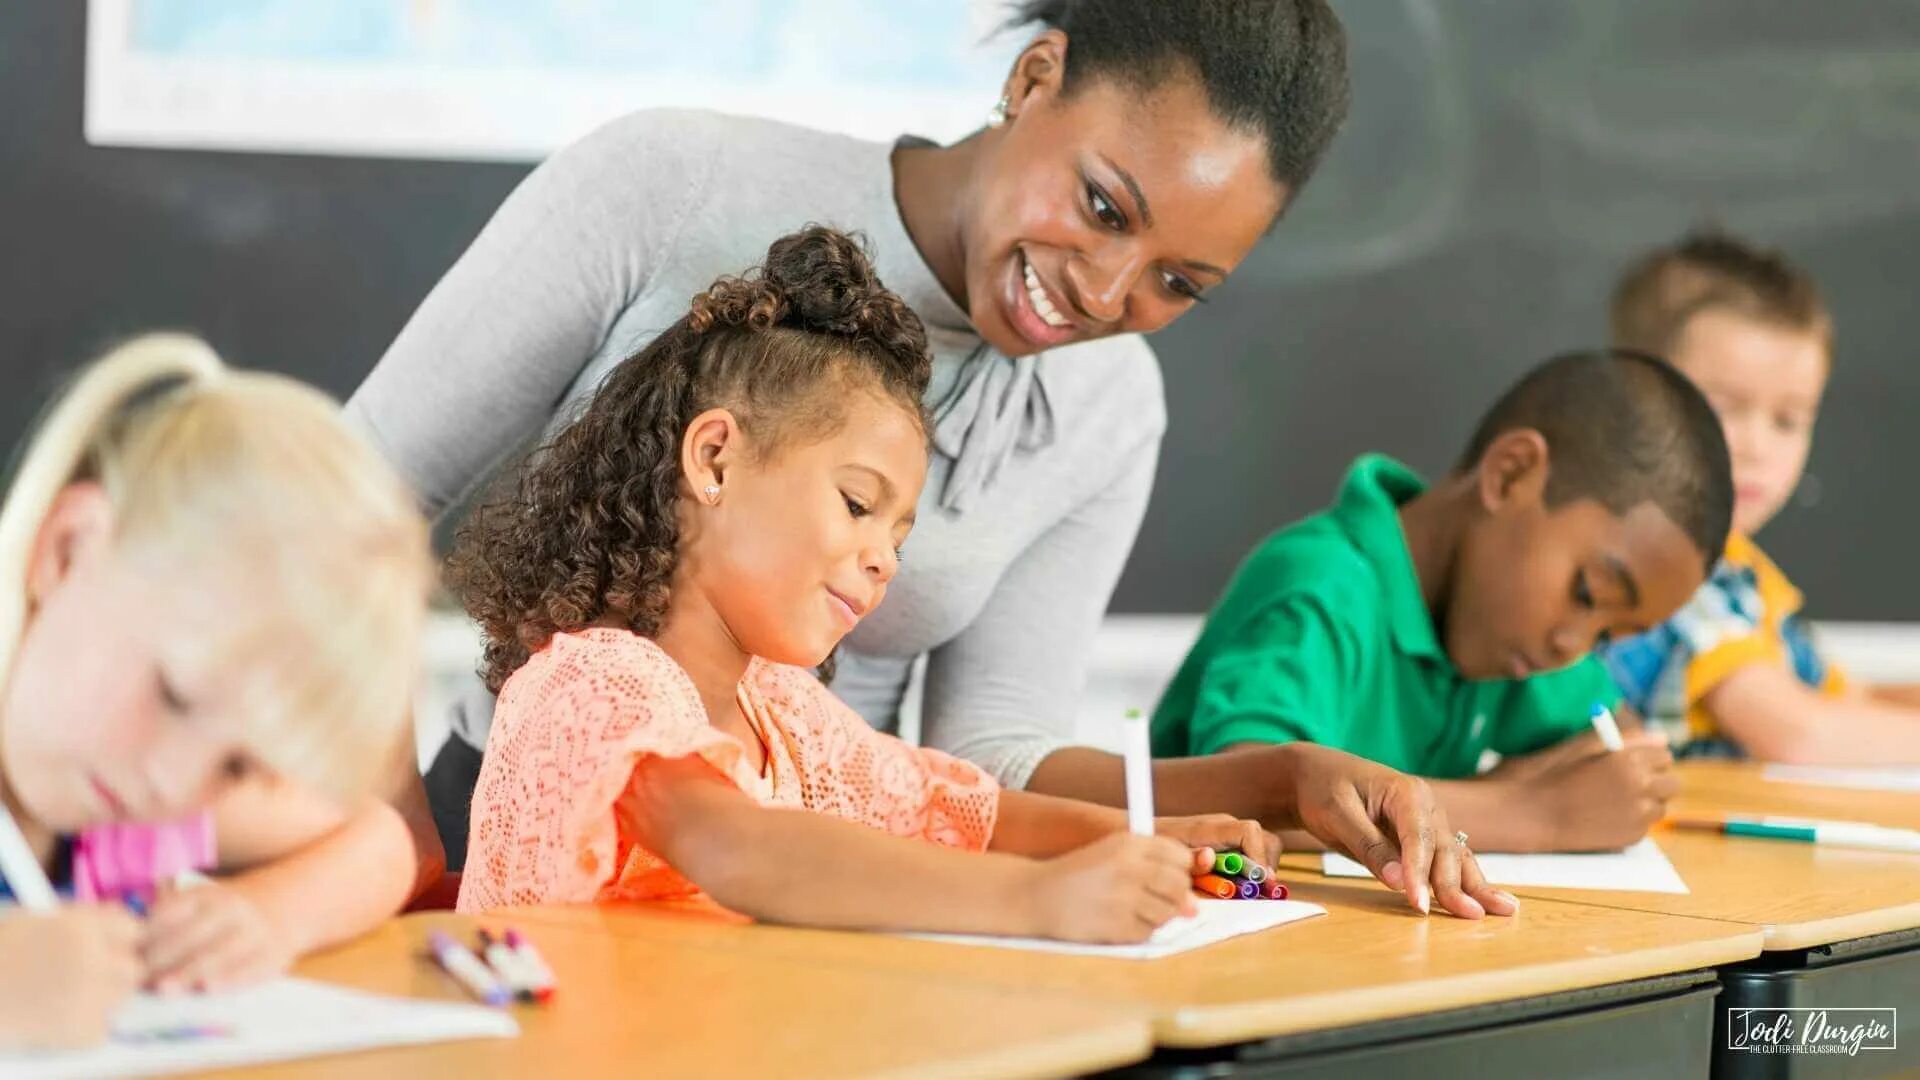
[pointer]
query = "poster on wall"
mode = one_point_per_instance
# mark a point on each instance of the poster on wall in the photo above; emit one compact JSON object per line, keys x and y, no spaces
{"x":509,"y":80}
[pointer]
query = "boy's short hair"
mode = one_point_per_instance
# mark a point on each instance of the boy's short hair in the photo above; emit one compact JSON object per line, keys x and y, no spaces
{"x":1623,"y":428}
{"x":1711,"y":269}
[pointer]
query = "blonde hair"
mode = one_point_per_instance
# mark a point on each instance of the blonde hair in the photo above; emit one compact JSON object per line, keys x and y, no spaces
{"x":1710,"y":269}
{"x":227,"y":470}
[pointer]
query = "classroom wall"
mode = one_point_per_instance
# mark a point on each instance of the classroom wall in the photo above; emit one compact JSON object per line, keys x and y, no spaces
{"x":1503,"y":159}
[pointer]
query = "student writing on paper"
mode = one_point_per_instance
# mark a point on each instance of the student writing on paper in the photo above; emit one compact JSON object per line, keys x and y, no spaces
{"x":1736,"y":670}
{"x":654,"y":588}
{"x":207,"y":648}
{"x":1423,"y":625}
{"x":1134,"y":155}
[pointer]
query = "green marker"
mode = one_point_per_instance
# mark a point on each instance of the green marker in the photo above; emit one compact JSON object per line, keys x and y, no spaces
{"x":1228,"y":863}
{"x":1831,"y":833}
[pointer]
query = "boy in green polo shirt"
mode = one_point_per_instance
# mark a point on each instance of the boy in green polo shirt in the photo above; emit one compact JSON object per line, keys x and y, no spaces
{"x":1422,"y":627}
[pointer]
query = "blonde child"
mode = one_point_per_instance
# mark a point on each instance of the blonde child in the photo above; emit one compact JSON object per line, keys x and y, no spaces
{"x":1736,"y":669}
{"x":728,"y":506}
{"x":207,"y":647}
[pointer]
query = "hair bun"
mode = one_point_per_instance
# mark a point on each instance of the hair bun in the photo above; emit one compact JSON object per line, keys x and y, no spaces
{"x":819,"y":280}
{"x":826,"y":277}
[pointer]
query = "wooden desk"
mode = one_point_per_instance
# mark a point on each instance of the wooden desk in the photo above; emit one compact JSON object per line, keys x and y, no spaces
{"x":1799,"y":895}
{"x":1838,"y":924}
{"x":653,"y":1006}
{"x":1722,"y":787}
{"x":1370,"y":959}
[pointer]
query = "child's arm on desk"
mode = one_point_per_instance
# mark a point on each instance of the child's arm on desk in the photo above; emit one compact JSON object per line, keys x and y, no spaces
{"x":1576,"y":796}
{"x":1903,"y":695}
{"x":1042,"y":826}
{"x":302,"y":873}
{"x":1776,"y":717}
{"x":808,"y":869}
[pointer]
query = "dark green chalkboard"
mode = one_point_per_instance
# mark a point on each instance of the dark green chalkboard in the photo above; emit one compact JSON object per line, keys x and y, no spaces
{"x":1503,"y":159}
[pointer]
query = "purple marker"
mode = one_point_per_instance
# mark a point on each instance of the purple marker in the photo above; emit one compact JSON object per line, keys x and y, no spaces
{"x":467,"y":969}
{"x":1248,"y":890}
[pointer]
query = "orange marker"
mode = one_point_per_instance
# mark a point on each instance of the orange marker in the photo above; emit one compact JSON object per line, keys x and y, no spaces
{"x":1216,"y":886}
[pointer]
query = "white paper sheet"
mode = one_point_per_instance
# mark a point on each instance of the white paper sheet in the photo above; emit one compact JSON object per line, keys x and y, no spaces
{"x":1864,"y":779}
{"x":1216,"y":921}
{"x":286,"y":1018}
{"x":1642,"y":867}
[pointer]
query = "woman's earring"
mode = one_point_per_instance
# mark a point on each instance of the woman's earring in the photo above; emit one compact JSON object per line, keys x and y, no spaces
{"x":712,"y":492}
{"x":998,"y":114}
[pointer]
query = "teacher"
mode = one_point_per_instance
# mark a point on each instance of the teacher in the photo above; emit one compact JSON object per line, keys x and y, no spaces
{"x":1139,"y":151}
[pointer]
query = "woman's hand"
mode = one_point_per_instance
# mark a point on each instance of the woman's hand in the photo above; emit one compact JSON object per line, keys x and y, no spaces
{"x":1210,"y":834}
{"x":1393,"y":825}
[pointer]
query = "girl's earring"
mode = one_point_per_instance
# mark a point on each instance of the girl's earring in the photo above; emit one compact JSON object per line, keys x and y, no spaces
{"x":997,"y":115}
{"x":713,"y":494}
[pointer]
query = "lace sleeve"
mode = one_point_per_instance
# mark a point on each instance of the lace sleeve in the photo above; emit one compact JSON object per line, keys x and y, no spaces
{"x":851,"y":771}
{"x":570,"y":729}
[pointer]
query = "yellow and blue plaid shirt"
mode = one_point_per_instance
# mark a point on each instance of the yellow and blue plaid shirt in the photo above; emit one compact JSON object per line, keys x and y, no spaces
{"x":1746,"y":613}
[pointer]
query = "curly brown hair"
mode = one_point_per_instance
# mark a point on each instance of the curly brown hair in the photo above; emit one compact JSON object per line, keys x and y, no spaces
{"x":588,"y":527}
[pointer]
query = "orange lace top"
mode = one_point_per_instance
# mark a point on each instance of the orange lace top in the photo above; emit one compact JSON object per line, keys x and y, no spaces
{"x":574,"y":722}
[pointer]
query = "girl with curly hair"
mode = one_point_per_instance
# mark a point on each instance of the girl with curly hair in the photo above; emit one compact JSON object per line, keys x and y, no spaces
{"x":655,"y":585}
{"x":1136,"y":155}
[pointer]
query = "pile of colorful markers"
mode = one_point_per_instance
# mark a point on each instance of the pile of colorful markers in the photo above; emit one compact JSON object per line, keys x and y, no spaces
{"x":1236,"y":877}
{"x":512,"y":969}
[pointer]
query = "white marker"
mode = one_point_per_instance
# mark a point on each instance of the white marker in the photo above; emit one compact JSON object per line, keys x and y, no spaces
{"x":1138,"y":754}
{"x":1604,"y":727}
{"x":24,"y":876}
{"x":507,"y":964}
{"x":543,"y":980}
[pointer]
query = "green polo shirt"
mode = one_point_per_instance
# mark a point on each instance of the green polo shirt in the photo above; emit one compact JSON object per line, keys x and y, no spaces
{"x":1323,"y":636}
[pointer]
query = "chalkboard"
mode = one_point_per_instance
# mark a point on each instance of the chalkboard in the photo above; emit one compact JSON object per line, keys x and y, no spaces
{"x":1503,"y":160}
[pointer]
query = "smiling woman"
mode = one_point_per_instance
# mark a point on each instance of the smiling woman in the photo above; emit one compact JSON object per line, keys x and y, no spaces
{"x":1137,"y":154}
{"x":1140,"y":150}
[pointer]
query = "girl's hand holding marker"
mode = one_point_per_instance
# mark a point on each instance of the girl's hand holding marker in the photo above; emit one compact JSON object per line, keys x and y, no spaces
{"x":1231,"y":858}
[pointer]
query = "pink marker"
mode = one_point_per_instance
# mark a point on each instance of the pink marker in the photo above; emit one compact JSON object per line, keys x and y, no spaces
{"x":507,"y":964}
{"x":1273,"y":890}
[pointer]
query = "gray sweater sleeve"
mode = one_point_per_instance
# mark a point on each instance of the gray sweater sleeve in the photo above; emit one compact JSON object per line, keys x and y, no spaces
{"x":1003,"y":693}
{"x":487,"y":359}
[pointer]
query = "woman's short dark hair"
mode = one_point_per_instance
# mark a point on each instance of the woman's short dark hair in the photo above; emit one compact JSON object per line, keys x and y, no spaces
{"x":1276,"y":68}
